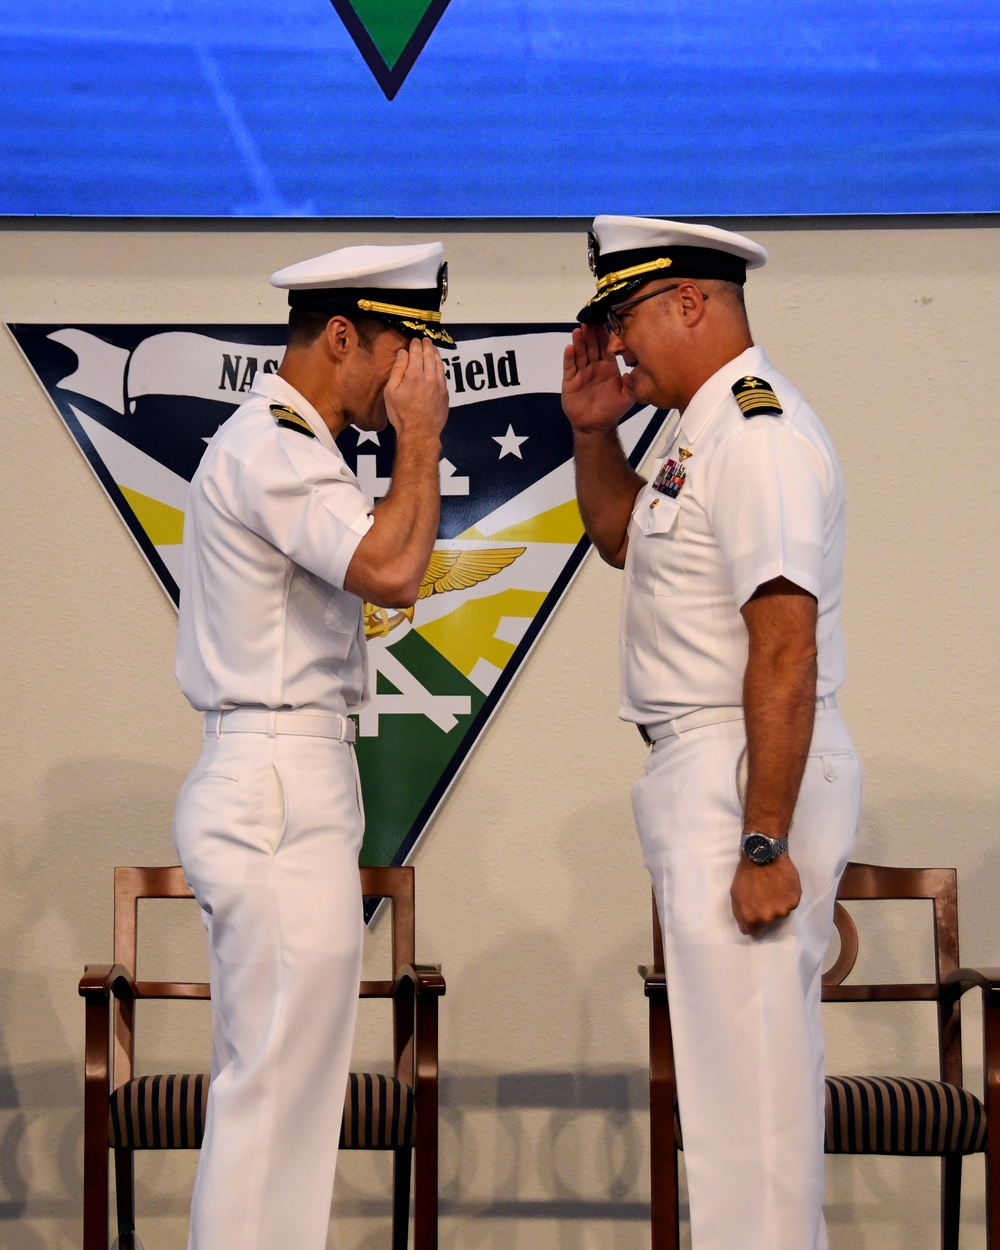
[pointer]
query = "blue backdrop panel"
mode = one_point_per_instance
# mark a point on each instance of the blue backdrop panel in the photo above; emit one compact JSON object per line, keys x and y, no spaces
{"x":514,"y":107}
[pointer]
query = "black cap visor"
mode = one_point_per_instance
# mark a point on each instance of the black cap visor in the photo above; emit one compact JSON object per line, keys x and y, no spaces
{"x":415,"y":313}
{"x":621,"y":274}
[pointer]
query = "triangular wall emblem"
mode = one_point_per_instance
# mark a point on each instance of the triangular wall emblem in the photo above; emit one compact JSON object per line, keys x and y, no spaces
{"x":390,"y":34}
{"x":141,"y":401}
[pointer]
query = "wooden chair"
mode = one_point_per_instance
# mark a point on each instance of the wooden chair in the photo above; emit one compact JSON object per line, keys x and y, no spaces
{"x":867,"y":1114}
{"x":125,"y":1113}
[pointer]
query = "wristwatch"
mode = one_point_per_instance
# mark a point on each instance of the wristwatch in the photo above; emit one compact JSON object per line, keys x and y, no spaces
{"x":760,"y":849}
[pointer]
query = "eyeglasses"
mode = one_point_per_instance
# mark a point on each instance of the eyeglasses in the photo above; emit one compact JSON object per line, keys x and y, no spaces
{"x":613,"y":321}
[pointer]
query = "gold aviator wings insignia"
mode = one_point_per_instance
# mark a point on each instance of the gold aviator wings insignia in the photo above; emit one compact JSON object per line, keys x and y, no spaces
{"x":453,"y":569}
{"x":450,"y":568}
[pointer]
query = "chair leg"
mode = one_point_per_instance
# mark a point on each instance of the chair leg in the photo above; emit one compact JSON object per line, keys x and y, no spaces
{"x":402,"y":1165}
{"x":425,"y":1196}
{"x":125,"y":1189}
{"x":951,"y":1200}
{"x":992,"y":1200}
{"x":664,"y":1196}
{"x":95,"y":1194}
{"x":95,"y":1164}
{"x":991,"y":1066}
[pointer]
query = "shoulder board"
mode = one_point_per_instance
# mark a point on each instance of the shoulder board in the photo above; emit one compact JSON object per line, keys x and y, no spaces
{"x":756,"y":398}
{"x":289,"y":419}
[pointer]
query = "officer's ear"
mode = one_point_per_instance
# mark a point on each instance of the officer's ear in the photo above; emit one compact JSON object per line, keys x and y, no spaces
{"x":691,"y":301}
{"x":340,"y":335}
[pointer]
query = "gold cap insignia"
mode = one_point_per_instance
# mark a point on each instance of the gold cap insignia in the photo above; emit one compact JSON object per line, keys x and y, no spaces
{"x":593,"y":251}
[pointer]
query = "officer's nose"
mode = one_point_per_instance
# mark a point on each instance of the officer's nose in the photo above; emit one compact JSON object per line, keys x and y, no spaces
{"x":616,"y":345}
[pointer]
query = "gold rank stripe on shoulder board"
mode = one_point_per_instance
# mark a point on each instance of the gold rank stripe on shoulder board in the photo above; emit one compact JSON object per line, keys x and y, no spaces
{"x":289,"y":419}
{"x":756,"y":398}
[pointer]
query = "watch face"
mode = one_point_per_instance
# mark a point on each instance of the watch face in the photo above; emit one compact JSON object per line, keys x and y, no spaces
{"x":758,"y":848}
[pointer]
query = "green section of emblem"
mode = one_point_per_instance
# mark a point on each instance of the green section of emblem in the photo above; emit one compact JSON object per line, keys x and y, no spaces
{"x":390,"y":34}
{"x":406,"y":763}
{"x":390,"y":23}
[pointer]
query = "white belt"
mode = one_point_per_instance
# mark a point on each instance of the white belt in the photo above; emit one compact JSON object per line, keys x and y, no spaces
{"x":707,"y":716}
{"x":246,"y":720}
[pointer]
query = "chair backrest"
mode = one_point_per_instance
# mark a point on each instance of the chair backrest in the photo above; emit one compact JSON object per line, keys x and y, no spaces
{"x":133,"y":884}
{"x":940,"y":887}
{"x":872,"y":882}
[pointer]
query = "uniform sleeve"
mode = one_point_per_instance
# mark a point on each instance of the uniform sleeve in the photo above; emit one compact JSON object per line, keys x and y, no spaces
{"x":304,"y":500}
{"x":767,"y":506}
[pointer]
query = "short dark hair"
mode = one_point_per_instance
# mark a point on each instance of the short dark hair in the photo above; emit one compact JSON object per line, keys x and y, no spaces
{"x":734,"y":291}
{"x":305,"y":326}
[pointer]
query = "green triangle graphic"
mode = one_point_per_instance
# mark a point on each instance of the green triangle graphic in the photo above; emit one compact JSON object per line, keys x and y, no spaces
{"x":390,"y":34}
{"x":391,"y":26}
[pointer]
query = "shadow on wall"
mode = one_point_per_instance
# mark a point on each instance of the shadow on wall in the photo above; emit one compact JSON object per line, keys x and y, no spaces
{"x":56,"y":916}
{"x":582,"y":1135}
{"x":550,"y":1145}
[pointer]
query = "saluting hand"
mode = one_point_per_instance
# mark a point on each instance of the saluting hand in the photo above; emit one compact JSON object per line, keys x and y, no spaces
{"x":594,"y":394}
{"x":416,"y":394}
{"x":763,"y":894}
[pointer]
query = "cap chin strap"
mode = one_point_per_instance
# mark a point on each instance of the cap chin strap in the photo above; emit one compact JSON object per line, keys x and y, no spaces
{"x":622,"y":275}
{"x":397,"y":310}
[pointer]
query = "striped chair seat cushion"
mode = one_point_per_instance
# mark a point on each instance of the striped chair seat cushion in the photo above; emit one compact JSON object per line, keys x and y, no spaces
{"x":159,"y":1112}
{"x":886,"y":1115}
{"x":168,"y":1113}
{"x":378,"y":1113}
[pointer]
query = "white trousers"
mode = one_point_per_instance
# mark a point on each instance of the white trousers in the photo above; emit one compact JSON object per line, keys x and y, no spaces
{"x":745,"y":1012}
{"x":268,"y":830}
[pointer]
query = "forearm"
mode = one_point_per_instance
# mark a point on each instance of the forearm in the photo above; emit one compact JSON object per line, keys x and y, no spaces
{"x":606,"y":487}
{"x":392,"y":557}
{"x":779,"y":701}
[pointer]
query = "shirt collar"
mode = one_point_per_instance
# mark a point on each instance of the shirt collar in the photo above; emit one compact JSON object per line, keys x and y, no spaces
{"x":710,"y":395}
{"x":272,"y":386}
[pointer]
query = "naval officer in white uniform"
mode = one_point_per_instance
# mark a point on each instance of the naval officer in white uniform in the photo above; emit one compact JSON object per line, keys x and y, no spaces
{"x":731,"y":657}
{"x":281,"y":548}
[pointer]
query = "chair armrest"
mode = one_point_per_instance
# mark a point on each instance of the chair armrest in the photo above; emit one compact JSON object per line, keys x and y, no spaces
{"x":959,"y":982}
{"x":416,"y":992}
{"x":426,"y":979}
{"x":655,"y":982}
{"x":102,"y":980}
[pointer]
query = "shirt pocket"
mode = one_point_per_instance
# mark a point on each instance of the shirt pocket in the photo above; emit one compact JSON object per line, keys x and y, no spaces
{"x":342,"y":618}
{"x":657,"y":564}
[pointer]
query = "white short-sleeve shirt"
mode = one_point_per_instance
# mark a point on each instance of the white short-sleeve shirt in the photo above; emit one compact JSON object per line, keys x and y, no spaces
{"x":763,"y":497}
{"x":273,"y":519}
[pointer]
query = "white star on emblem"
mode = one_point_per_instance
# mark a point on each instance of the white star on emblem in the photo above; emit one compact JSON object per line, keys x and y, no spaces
{"x":510,"y":443}
{"x":368,"y":436}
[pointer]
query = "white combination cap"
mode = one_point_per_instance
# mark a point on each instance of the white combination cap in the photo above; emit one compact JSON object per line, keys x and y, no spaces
{"x":404,"y":286}
{"x":626,"y":252}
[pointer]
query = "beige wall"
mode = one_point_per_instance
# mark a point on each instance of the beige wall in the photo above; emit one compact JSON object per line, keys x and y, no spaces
{"x":531,"y":888}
